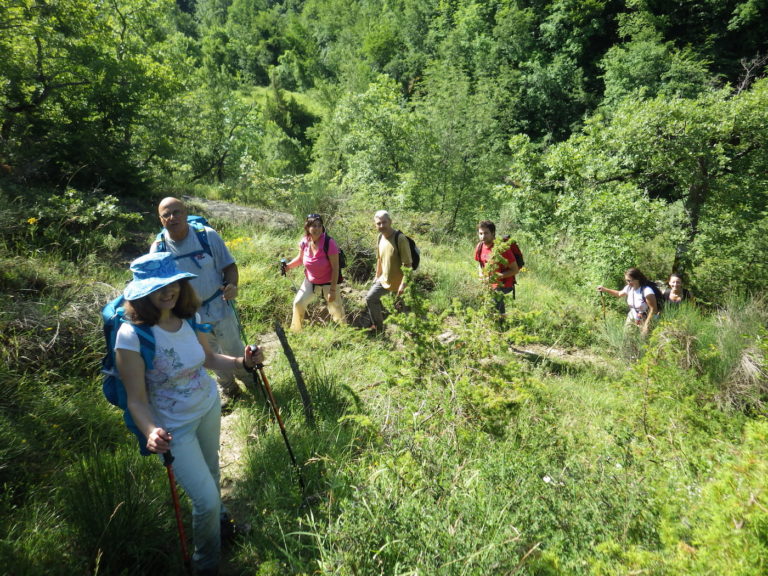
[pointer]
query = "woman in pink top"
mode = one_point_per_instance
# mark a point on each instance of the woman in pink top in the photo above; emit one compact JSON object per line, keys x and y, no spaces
{"x":320,"y":256}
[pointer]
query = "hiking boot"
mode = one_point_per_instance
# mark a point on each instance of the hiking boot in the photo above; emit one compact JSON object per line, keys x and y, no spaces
{"x":373,"y":331}
{"x":230,"y":531}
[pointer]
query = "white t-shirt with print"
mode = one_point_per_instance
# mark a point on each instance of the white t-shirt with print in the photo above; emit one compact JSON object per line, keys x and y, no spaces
{"x":636,"y":300}
{"x":179,"y":387}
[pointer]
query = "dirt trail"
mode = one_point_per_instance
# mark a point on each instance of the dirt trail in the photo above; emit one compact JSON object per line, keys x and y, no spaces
{"x":233,"y":440}
{"x":237,"y":214}
{"x":232,"y":444}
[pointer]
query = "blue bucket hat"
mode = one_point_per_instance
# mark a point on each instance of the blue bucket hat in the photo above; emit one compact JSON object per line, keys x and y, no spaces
{"x":152,"y":272}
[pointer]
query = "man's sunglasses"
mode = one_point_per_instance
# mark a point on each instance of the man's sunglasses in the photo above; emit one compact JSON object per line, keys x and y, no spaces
{"x":314,"y":217}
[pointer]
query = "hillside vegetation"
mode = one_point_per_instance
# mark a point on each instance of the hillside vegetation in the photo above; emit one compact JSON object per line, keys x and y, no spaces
{"x":557,"y":445}
{"x":600,"y":134}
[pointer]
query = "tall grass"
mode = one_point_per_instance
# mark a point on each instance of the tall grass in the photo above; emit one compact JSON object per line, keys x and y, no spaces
{"x":119,"y":509}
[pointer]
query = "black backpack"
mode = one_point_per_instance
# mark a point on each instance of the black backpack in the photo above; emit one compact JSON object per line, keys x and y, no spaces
{"x":342,"y":256}
{"x":659,"y":295}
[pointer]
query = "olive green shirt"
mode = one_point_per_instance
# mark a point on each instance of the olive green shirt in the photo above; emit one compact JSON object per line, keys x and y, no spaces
{"x":391,"y":258}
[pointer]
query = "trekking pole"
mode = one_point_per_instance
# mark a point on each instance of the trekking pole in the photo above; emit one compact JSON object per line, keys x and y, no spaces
{"x":168,"y":463}
{"x":284,"y":272}
{"x":602,"y":299}
{"x":244,"y":339}
{"x":237,"y":319}
{"x":276,"y":411}
{"x":306,"y":400}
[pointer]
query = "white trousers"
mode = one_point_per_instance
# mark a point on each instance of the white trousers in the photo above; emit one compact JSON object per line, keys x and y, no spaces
{"x":195,"y":448}
{"x":306,"y":294}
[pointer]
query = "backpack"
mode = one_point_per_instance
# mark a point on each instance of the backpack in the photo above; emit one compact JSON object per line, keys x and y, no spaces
{"x":415,"y":252}
{"x":342,"y":256}
{"x":659,"y":295}
{"x":198,"y":224}
{"x":515,"y":250}
{"x":113,"y":315}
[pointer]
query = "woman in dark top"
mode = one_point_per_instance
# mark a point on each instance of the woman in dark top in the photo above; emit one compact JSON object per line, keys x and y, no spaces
{"x":676,"y":294}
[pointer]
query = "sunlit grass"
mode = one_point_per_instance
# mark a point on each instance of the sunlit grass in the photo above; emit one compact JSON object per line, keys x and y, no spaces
{"x":545,"y":447}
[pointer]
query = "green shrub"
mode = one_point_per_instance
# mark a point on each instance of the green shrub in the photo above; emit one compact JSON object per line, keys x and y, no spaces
{"x":70,"y":223}
{"x":730,"y":522}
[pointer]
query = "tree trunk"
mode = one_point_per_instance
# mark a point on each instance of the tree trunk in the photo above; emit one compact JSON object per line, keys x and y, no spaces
{"x":697,"y":196}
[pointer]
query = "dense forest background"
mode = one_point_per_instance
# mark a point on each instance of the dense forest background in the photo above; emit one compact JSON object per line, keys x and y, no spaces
{"x":615,"y":132}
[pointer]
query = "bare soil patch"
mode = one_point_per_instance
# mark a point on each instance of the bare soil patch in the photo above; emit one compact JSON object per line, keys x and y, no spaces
{"x":237,"y":214}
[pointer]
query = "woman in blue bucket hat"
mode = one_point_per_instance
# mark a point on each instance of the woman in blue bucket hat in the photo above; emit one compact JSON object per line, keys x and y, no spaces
{"x":175,"y":402}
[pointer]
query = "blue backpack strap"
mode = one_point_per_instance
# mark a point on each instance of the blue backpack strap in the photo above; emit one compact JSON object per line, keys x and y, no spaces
{"x":146,"y":344}
{"x":160,"y":241}
{"x":211,"y":298}
{"x":202,"y":235}
{"x":202,"y":238}
{"x":203,"y":327}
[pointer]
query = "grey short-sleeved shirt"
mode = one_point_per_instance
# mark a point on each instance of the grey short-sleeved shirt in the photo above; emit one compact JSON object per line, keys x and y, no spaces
{"x":209,"y":269}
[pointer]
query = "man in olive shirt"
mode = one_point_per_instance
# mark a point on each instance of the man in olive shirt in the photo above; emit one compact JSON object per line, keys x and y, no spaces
{"x":392,"y":252}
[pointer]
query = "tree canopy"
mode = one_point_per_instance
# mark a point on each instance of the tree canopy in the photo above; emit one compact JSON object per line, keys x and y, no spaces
{"x":462,"y":108}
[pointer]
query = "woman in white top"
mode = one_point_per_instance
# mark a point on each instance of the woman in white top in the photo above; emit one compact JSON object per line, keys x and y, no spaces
{"x":641,"y":298}
{"x":175,"y":403}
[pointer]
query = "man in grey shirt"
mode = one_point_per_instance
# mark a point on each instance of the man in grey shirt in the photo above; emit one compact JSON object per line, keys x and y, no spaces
{"x":216,"y":282}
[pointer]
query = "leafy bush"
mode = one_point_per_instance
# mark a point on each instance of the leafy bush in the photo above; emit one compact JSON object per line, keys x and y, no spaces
{"x":71,"y":223}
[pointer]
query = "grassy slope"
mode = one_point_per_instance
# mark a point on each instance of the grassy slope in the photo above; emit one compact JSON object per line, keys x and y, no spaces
{"x":456,"y":458}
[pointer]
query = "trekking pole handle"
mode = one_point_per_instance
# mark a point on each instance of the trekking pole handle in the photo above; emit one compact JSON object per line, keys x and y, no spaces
{"x":283,"y":266}
{"x":257,"y":366}
{"x":167,"y":458}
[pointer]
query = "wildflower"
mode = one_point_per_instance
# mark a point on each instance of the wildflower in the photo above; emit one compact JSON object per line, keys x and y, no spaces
{"x":547,"y":479}
{"x":32,"y":221}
